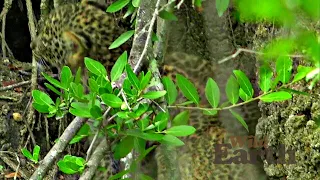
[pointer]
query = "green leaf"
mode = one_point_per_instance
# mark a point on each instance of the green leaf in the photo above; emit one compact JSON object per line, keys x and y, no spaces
{"x":122,"y":39}
{"x":80,"y":109}
{"x":139,"y":144}
{"x":284,"y":68}
{"x":42,"y":98}
{"x":210,"y":112}
{"x":132,"y":77}
{"x":65,"y":168}
{"x":145,"y":80}
{"x":95,"y":67}
{"x":232,"y":90}
{"x":93,"y":85}
{"x":265,"y":73}
{"x":80,"y":113}
{"x":181,"y":119}
{"x":143,"y":123}
{"x":118,"y":67}
{"x":302,"y":72}
{"x":171,"y":89}
{"x":118,"y":5}
{"x":71,"y":164}
{"x":276,"y":96}
{"x":167,"y":15}
{"x":135,"y":3}
{"x":244,"y":82}
{"x":212,"y":93}
{"x":295,"y":91}
{"x":66,"y":77}
{"x":53,"y":81}
{"x":130,"y":10}
{"x":40,"y":107}
{"x":185,"y":103}
{"x":187,"y":89}
{"x":146,"y":136}
{"x":182,"y":130}
{"x":111,"y":100}
{"x":198,"y":3}
{"x":36,"y":151}
{"x":96,"y":112}
{"x":154,"y":37}
{"x":243,"y":95}
{"x":221,"y":6}
{"x":240,"y":119}
{"x":154,"y":94}
{"x":161,"y":121}
{"x":77,"y":79}
{"x":77,"y":90}
{"x":27,"y":153}
{"x":49,"y":86}
{"x":124,"y":147}
{"x":171,"y":140}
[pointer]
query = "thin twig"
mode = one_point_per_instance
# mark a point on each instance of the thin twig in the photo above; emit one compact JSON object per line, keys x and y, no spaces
{"x":158,"y":106}
{"x":125,"y":100}
{"x":17,"y":170}
{"x":14,"y":85}
{"x":180,"y":3}
{"x":6,"y":45}
{"x":153,"y":20}
{"x":91,"y":144}
{"x":32,"y":29}
{"x":239,"y":50}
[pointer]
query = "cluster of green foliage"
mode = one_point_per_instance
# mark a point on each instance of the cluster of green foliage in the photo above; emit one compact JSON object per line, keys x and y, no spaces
{"x":133,"y":118}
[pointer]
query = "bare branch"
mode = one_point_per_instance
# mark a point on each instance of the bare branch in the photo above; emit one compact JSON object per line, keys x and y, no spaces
{"x":239,"y":50}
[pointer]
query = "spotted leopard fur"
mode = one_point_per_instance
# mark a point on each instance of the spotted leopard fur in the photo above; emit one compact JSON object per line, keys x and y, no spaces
{"x":74,"y":31}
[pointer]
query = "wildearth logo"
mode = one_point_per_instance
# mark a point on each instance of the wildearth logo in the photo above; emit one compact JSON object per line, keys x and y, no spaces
{"x":258,"y":148}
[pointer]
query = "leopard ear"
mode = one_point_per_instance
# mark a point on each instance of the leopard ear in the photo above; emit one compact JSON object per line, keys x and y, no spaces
{"x":75,"y":42}
{"x":77,"y":45}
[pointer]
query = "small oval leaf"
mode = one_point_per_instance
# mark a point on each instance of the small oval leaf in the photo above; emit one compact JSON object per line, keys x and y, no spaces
{"x":171,"y":89}
{"x":221,"y":6}
{"x":171,"y":140}
{"x":132,"y":77}
{"x":276,"y":96}
{"x":122,"y":39}
{"x":232,"y":90}
{"x":244,"y":82}
{"x":240,"y":119}
{"x":154,"y":94}
{"x":265,"y":74}
{"x":182,"y":130}
{"x":167,"y":15}
{"x":118,"y":5}
{"x":111,"y":100}
{"x":95,"y":67}
{"x":284,"y":68}
{"x":124,"y":147}
{"x":212,"y":93}
{"x":181,"y":119}
{"x":188,"y":89}
{"x":118,"y":67}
